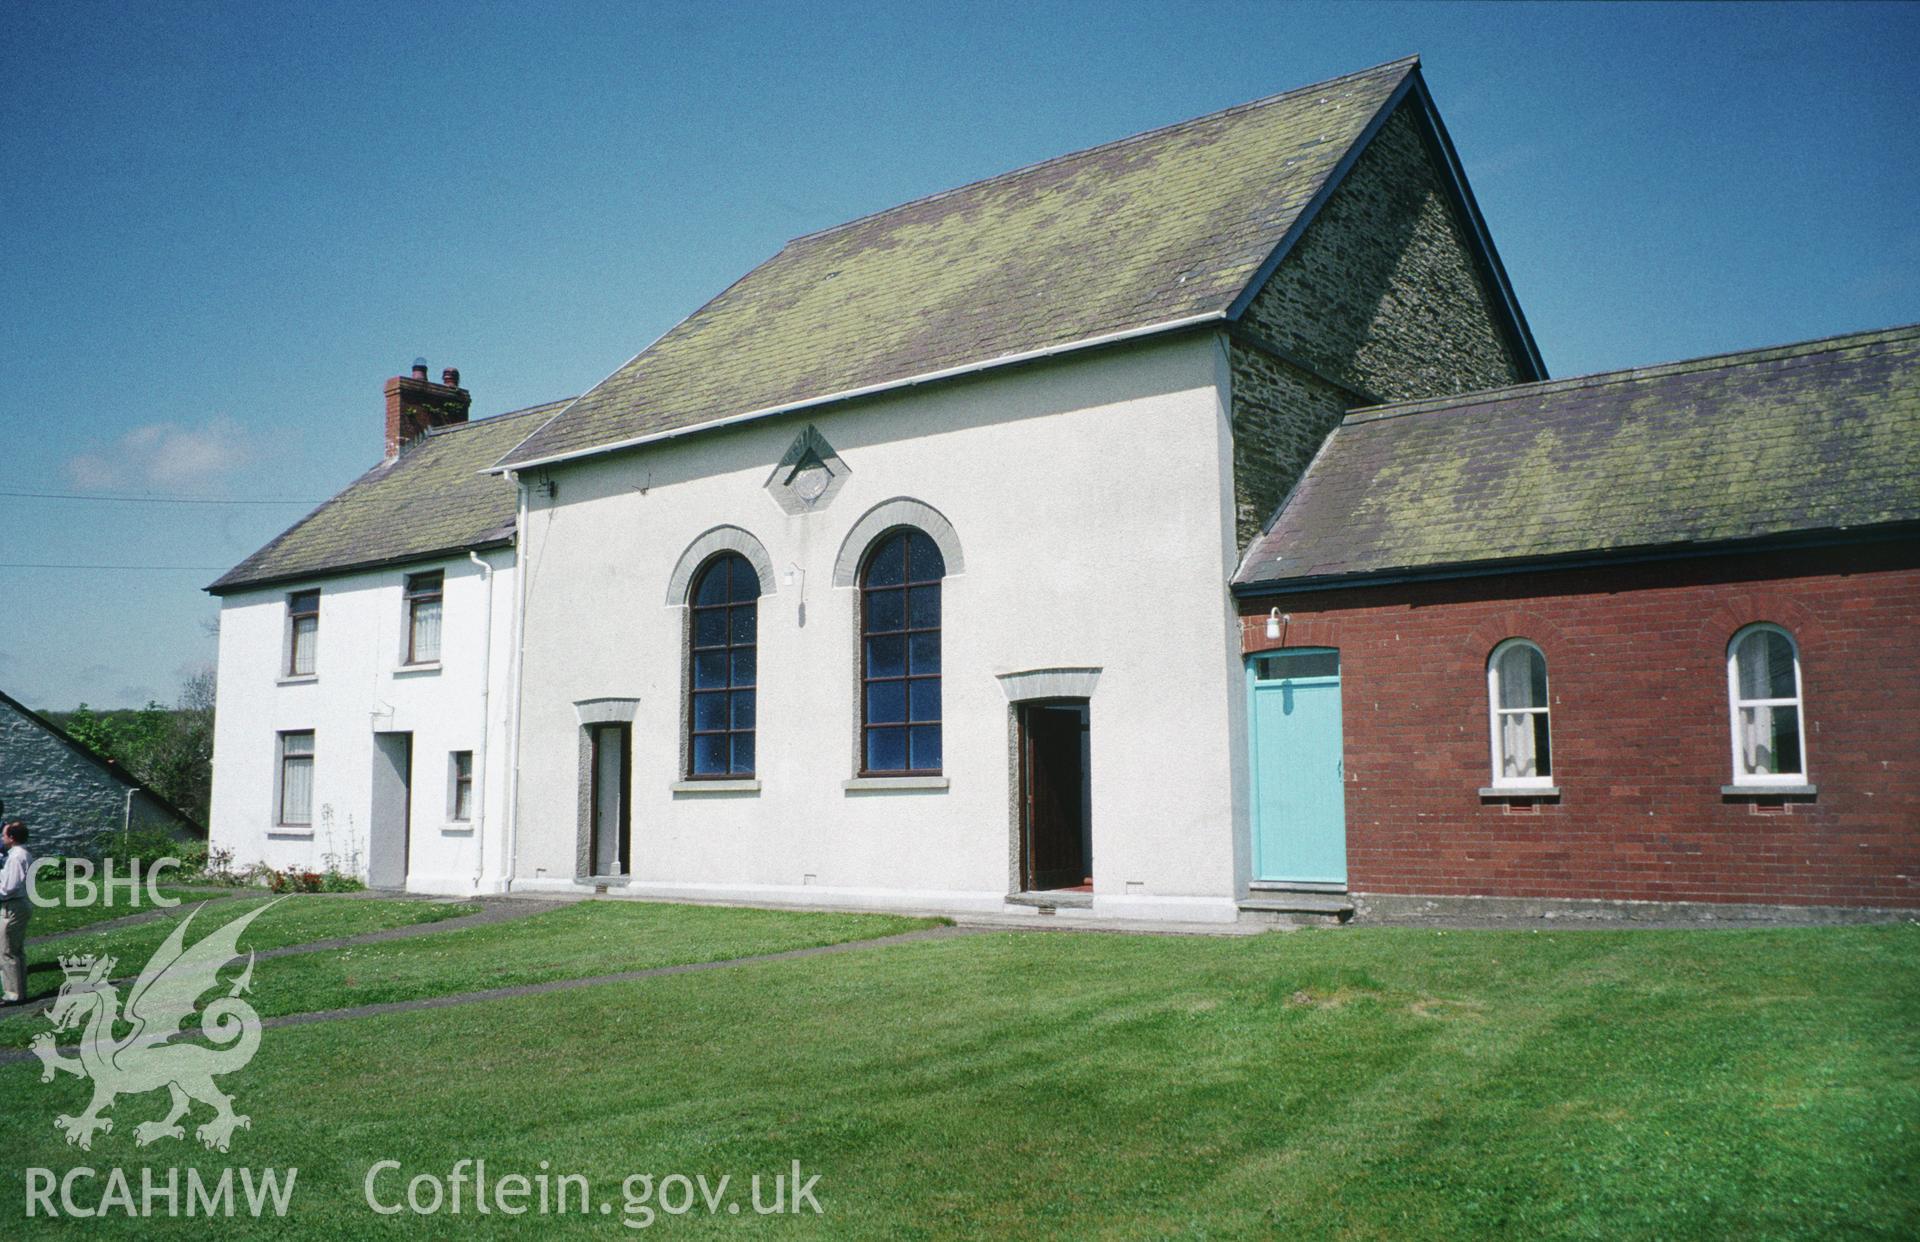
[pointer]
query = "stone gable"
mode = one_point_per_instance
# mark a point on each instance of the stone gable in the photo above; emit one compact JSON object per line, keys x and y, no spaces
{"x":1380,"y":299}
{"x":66,"y":798}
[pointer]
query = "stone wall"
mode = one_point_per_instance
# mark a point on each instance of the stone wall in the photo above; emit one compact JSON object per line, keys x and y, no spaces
{"x":1380,"y":299}
{"x":66,"y":798}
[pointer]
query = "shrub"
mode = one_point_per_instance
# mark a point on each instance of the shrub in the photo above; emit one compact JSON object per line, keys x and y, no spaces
{"x":217,"y":868}
{"x":291,"y":881}
{"x":145,"y":846}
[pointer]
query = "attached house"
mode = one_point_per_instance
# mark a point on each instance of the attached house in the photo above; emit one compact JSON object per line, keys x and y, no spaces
{"x":365,"y":658}
{"x":1648,"y":635}
{"x":941,"y":562}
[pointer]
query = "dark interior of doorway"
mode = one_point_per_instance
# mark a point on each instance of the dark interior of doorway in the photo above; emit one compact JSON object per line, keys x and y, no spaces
{"x":1056,"y":813}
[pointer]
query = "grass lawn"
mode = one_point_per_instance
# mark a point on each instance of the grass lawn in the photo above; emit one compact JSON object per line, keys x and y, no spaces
{"x":296,"y":920}
{"x":53,"y":918}
{"x":586,"y":938}
{"x":1359,"y":1082}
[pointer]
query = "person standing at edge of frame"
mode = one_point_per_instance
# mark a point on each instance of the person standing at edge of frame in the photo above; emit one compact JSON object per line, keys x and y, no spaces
{"x":15,"y":908}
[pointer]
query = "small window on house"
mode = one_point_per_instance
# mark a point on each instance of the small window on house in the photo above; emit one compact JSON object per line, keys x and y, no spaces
{"x":296,"y":780}
{"x":423,"y":618}
{"x":460,"y":791}
{"x":900,"y":656}
{"x":1763,"y":684}
{"x":722,"y":669}
{"x":303,"y":632}
{"x":1517,"y":696}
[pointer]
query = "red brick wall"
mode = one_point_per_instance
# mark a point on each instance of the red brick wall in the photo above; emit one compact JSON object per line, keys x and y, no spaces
{"x":1636,"y":665}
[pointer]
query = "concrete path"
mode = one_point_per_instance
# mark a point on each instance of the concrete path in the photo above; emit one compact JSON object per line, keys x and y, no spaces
{"x":12,"y":1056}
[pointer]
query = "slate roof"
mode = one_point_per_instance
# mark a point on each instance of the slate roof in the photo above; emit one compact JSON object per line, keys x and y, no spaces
{"x":1815,"y":437}
{"x":1138,"y":234}
{"x":431,"y":500}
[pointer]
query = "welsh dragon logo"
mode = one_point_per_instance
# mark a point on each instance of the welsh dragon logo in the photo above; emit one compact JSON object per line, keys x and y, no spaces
{"x":153,"y":1054}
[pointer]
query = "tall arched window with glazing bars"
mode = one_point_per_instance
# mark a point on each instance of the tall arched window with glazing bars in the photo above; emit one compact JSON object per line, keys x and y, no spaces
{"x":1765,"y":702}
{"x":722,"y":671}
{"x":900,"y":656}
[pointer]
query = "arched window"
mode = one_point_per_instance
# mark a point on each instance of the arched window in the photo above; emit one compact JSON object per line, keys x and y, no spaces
{"x":1517,"y":699}
{"x":900,"y":655}
{"x":721,"y":675}
{"x":1763,"y":688}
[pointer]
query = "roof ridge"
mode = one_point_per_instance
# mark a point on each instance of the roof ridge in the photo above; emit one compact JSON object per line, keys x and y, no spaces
{"x":494,"y":418}
{"x":1627,"y":375}
{"x":1410,"y":61}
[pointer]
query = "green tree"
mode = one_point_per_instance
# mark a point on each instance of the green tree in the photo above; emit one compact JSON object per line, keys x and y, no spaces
{"x":170,"y":749}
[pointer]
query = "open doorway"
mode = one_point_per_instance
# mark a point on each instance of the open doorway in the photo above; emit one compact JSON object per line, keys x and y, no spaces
{"x":391,"y":822}
{"x":1056,"y":796}
{"x":611,"y":819}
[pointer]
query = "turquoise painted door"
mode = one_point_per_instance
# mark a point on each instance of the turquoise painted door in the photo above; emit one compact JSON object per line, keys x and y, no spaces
{"x":1299,"y":791}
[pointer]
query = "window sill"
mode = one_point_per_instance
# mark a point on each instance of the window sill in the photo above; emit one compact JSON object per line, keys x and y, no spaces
{"x":457,"y":828}
{"x":417,"y":670}
{"x":892,"y":784}
{"x":289,"y":832}
{"x":1508,"y":793}
{"x":1769,"y":791}
{"x":303,"y":679}
{"x":746,"y":786}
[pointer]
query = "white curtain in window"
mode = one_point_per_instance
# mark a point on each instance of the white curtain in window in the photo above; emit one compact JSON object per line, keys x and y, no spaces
{"x":296,"y":779}
{"x":1519,"y":692}
{"x":426,"y":630}
{"x":1756,"y":755}
{"x":1516,"y":745}
{"x":1766,"y":705}
{"x":304,"y":629}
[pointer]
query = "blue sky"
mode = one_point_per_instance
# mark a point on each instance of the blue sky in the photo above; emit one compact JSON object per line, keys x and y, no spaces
{"x":225,"y":225}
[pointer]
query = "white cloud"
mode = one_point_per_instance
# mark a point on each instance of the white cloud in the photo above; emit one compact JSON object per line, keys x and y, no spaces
{"x":164,"y":456}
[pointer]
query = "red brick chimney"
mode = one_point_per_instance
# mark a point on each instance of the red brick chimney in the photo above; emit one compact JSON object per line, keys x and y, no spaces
{"x":415,"y":404}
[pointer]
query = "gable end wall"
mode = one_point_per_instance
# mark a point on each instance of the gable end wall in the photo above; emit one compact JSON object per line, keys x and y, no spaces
{"x":1380,"y":299}
{"x":65,"y":799}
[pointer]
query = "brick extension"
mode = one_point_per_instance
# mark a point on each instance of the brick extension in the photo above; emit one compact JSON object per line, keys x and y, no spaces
{"x":1636,"y":662}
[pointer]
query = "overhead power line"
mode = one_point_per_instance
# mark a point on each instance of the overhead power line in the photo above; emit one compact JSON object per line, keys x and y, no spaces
{"x":159,"y":500}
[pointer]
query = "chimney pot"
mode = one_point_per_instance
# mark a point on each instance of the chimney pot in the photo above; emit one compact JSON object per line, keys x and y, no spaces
{"x":450,"y":377}
{"x":419,"y":368}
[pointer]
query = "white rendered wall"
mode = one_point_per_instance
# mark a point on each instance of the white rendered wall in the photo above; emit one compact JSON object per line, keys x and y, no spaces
{"x":1092,"y":501}
{"x":360,"y":687}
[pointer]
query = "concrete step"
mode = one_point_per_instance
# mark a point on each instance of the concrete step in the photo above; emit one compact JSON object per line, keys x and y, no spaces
{"x":1049,"y":900}
{"x":1283,"y":909}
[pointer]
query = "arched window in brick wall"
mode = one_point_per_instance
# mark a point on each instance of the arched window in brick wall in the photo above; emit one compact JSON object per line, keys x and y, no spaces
{"x":1764,"y":701}
{"x":1519,"y":716}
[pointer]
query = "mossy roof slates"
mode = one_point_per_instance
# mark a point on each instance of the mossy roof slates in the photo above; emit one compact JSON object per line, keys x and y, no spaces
{"x":1148,"y":230}
{"x":434,"y":498}
{"x":1819,"y":436}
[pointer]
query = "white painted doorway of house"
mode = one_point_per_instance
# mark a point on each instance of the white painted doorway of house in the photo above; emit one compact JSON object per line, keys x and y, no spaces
{"x":390,"y":823}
